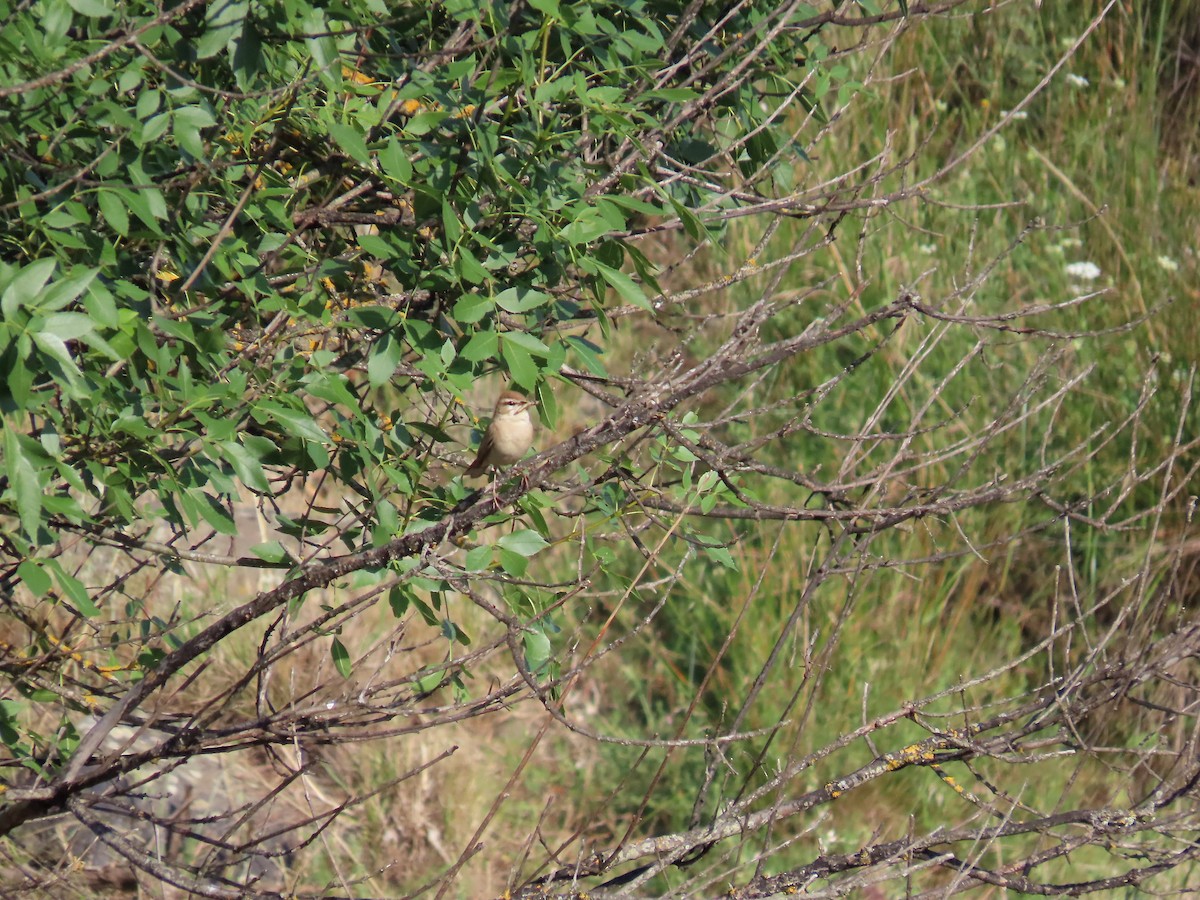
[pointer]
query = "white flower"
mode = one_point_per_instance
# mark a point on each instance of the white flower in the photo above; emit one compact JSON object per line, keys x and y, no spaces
{"x":1167,"y":264}
{"x":927,"y":249}
{"x":1083,"y":271}
{"x":1019,"y":114}
{"x":1077,"y":80}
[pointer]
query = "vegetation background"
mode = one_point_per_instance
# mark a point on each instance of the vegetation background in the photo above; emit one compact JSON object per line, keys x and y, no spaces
{"x":163,"y":474}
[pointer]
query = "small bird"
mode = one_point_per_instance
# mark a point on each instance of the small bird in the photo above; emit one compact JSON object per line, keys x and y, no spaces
{"x":508,"y":436}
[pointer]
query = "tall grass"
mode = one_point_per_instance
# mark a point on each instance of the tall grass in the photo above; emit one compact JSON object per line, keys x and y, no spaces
{"x":1089,"y":161}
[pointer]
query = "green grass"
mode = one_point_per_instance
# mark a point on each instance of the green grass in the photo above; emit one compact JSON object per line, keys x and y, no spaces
{"x":1088,"y":160}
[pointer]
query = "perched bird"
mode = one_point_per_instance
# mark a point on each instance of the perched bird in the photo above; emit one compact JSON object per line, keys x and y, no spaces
{"x":508,"y":437}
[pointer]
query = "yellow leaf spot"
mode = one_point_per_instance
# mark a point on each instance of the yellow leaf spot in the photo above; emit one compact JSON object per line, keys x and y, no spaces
{"x":356,"y":76}
{"x":166,"y":276}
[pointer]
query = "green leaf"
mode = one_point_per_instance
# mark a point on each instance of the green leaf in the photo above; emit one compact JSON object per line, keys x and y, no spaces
{"x":430,"y":682}
{"x":186,"y":122}
{"x":379,"y":318}
{"x":272,"y":552}
{"x":588,"y":225}
{"x":223,"y":20}
{"x":66,"y":290}
{"x":24,"y":482}
{"x":674,"y":95}
{"x":67,"y":325}
{"x":520,"y":300}
{"x":470,"y":308}
{"x":527,"y":342}
{"x":214,"y":513}
{"x":547,"y":404}
{"x":452,"y":632}
{"x":537,"y":651}
{"x":55,"y":19}
{"x":525,"y":542}
{"x":451,"y":224}
{"x":246,"y":466}
{"x":10,"y":713}
{"x":75,"y":591}
{"x":721,"y":555}
{"x":520,"y":364}
{"x":154,"y":128}
{"x":589,"y":353}
{"x":425,"y":122}
{"x":395,"y":162}
{"x":341,"y":658}
{"x":93,"y":9}
{"x":513,"y":564}
{"x":478,"y":558}
{"x":387,"y":523}
{"x":482,"y":345}
{"x":148,"y":205}
{"x":20,"y":383}
{"x":247,"y":56}
{"x":114,"y":212}
{"x":629,"y":290}
{"x":34,"y":577}
{"x":398,"y":600}
{"x":351,"y":140}
{"x":24,"y":289}
{"x":323,"y":49}
{"x":386,"y":353}
{"x":297,"y":424}
{"x":331,"y":386}
{"x":469,"y":268}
